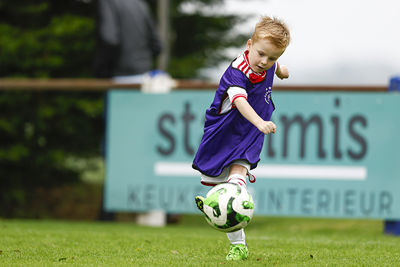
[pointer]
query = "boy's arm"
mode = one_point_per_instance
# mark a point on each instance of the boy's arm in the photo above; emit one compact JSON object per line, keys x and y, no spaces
{"x":248,"y":112}
{"x":281,"y":71}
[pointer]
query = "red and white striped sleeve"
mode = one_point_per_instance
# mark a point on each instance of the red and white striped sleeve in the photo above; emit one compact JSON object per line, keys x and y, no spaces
{"x":236,"y":92}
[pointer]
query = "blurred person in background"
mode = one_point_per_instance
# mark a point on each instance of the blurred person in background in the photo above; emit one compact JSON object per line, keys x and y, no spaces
{"x":128,"y":43}
{"x":128,"y":40}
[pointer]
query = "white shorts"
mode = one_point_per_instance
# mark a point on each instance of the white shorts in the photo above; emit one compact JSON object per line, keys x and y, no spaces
{"x":223,"y":177}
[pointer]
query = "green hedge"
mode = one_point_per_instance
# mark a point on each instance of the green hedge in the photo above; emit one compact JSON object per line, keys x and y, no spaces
{"x":39,"y":132}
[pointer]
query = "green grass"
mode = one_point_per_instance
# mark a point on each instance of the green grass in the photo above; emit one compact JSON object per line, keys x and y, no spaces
{"x":271,"y":241}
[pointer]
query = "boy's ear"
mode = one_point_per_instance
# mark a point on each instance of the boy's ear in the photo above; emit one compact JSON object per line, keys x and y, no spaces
{"x":249,"y":43}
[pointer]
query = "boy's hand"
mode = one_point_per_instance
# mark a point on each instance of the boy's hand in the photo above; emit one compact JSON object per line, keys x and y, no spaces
{"x":266,"y":127}
{"x":282,"y":72}
{"x":248,"y":112}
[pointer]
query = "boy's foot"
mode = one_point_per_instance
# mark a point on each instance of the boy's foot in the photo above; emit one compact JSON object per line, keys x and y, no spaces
{"x":237,"y":252}
{"x":200,"y":203}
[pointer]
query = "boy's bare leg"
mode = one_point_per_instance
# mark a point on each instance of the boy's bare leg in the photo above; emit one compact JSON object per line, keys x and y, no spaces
{"x":237,"y":174}
{"x":238,"y":169}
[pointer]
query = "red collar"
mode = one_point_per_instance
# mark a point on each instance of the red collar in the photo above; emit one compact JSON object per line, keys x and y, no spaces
{"x":254,"y":77}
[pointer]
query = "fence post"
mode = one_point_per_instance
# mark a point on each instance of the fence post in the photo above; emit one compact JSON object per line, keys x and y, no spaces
{"x":391,"y":226}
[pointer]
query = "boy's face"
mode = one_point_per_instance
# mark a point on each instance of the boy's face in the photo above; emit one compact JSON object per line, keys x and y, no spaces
{"x":262,"y":54}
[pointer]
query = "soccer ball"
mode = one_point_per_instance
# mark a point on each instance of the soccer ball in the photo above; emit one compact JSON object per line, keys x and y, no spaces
{"x":228,"y":207}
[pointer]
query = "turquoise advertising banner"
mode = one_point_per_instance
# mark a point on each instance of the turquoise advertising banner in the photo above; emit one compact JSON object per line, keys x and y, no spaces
{"x":333,"y":155}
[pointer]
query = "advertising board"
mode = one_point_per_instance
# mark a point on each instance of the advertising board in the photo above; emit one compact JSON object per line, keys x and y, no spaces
{"x":333,"y":155}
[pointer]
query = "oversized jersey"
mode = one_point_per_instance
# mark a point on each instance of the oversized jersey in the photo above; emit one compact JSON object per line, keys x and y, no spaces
{"x":228,"y":136}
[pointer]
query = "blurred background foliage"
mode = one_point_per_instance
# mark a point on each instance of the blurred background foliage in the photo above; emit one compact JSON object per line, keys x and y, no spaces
{"x":50,"y":38}
{"x":45,"y":136}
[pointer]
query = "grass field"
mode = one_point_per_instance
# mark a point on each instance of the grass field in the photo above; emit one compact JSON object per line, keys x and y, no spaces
{"x":271,"y":242}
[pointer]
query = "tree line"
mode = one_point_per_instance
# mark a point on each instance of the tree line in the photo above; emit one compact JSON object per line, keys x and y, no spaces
{"x":39,"y":131}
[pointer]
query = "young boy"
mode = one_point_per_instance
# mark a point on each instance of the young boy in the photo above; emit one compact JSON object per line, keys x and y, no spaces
{"x":239,"y":116}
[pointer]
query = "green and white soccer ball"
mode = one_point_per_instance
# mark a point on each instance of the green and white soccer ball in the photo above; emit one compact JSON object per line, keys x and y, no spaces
{"x":228,"y":207}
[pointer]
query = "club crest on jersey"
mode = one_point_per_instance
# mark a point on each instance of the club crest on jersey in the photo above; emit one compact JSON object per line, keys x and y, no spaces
{"x":267,"y":96}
